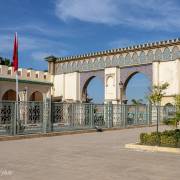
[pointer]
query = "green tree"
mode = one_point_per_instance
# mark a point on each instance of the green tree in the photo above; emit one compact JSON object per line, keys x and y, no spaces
{"x":137,"y":102}
{"x":156,"y":94}
{"x":7,"y":62}
{"x":176,"y":119}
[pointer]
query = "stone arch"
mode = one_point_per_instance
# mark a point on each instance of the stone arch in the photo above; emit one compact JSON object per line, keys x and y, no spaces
{"x":9,"y":95}
{"x":158,"y":54}
{"x":85,"y":78}
{"x":175,"y":53}
{"x":166,"y":54}
{"x":128,"y":72}
{"x":36,"y":96}
{"x":168,"y":105}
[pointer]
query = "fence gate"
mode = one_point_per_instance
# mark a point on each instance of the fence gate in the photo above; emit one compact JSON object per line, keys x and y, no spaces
{"x":30,"y":118}
{"x":137,"y":115}
{"x":7,"y":114}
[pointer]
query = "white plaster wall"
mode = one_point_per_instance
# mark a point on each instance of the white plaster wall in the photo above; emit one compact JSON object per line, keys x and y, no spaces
{"x":156,"y":73}
{"x":112,"y":79}
{"x":58,"y":89}
{"x":5,"y":86}
{"x":170,"y":72}
{"x":71,"y":84}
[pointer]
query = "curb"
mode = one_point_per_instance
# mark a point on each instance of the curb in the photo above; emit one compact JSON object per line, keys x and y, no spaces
{"x":152,"y":148}
{"x":62,"y":133}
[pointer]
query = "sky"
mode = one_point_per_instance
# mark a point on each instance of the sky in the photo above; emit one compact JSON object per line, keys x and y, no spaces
{"x":71,"y":27}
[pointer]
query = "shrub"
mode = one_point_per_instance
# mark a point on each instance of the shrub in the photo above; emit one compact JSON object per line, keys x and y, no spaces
{"x":169,"y":138}
{"x":149,"y":139}
{"x":152,"y":140}
{"x":170,"y":121}
{"x":168,"y":141}
{"x":143,"y":138}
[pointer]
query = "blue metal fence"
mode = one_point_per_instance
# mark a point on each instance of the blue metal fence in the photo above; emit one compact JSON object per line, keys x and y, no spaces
{"x":42,"y":117}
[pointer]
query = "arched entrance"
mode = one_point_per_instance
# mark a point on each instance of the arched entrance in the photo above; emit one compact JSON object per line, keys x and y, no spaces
{"x":9,"y":95}
{"x":36,"y":96}
{"x":93,"y":90}
{"x":136,"y":88}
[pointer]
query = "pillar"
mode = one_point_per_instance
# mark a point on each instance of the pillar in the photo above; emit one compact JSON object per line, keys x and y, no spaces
{"x":112,"y":89}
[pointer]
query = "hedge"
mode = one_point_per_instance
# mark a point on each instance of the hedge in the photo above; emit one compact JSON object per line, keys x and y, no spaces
{"x":169,"y":138}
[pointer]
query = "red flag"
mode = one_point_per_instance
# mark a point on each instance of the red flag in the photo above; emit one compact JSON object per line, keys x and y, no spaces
{"x":15,"y":54}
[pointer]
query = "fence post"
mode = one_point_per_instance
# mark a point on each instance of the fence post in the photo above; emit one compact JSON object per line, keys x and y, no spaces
{"x":91,"y":115}
{"x":136,"y":115}
{"x":125,"y":115}
{"x":14,"y":119}
{"x":109,"y":114}
{"x":149,"y":111}
{"x":46,"y":113}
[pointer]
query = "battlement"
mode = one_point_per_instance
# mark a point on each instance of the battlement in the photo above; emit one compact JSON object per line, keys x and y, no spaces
{"x":140,"y":47}
{"x":25,"y":74}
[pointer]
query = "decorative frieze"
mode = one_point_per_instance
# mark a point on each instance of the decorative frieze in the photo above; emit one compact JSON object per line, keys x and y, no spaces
{"x":130,"y":56}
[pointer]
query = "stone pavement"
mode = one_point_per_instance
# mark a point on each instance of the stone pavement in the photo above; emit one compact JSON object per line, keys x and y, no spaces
{"x":93,"y":156}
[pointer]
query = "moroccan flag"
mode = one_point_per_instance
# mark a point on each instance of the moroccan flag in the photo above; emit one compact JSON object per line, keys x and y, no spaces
{"x":15,"y":54}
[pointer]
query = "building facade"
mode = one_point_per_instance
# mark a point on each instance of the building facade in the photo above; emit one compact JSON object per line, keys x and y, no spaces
{"x":159,"y":61}
{"x":68,"y":77}
{"x":33,"y":85}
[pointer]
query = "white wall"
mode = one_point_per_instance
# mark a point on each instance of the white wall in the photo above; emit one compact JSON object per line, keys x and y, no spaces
{"x":67,"y":86}
{"x":112,"y":79}
{"x":58,"y":89}
{"x":72,"y":86}
{"x":167,"y":72}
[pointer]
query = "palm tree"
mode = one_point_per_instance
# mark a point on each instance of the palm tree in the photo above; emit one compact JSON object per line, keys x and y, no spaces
{"x":137,"y":102}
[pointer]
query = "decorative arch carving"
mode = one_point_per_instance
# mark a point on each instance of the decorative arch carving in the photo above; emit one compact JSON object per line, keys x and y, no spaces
{"x":85,"y":78}
{"x":166,"y":54}
{"x":121,"y":60}
{"x":150,"y":56}
{"x":114,"y":60}
{"x":142,"y":57}
{"x":108,"y":61}
{"x":128,"y":59}
{"x":175,"y":53}
{"x":36,"y":96}
{"x":158,"y":54}
{"x":127,"y":72}
{"x":135,"y":58}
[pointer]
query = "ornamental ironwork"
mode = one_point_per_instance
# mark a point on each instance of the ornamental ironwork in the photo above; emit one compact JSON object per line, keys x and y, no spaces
{"x":35,"y":112}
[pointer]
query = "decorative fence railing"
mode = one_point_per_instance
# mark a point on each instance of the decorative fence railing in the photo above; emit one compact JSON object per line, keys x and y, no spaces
{"x":42,"y":117}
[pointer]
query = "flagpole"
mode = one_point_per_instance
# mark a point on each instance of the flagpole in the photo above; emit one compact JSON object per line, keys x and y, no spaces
{"x":17,"y":95}
{"x":17,"y":87}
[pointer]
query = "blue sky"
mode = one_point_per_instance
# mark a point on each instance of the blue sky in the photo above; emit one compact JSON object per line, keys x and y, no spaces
{"x":69,"y":27}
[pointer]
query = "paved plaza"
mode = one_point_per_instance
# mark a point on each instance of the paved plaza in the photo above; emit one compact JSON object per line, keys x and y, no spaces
{"x":92,"y":156}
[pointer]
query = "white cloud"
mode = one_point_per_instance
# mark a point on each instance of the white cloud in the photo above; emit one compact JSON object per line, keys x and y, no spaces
{"x":99,"y":11}
{"x":150,"y":14}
